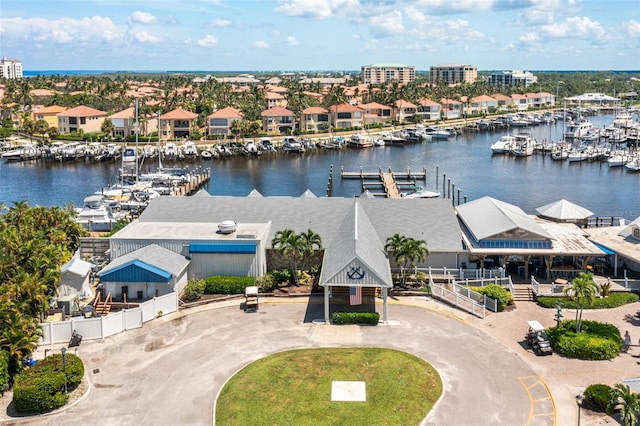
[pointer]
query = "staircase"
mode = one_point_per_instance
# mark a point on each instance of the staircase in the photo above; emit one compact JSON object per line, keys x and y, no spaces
{"x":102,"y":308}
{"x":523,"y":292}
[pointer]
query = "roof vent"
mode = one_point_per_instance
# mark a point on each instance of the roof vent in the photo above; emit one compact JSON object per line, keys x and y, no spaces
{"x":227,"y":227}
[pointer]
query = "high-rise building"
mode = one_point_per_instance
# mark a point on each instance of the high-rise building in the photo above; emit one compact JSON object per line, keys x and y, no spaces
{"x":453,"y":74}
{"x":512,"y":78}
{"x":387,"y":73}
{"x":10,"y":68}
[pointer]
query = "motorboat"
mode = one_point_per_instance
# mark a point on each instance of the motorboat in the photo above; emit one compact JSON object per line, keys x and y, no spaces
{"x":618,"y":159}
{"x":96,"y":215}
{"x":420,"y":193}
{"x":206,"y":154}
{"x":170,"y":150}
{"x":251,"y":148}
{"x":129,"y":155}
{"x":359,"y":140}
{"x":503,"y":145}
{"x":523,"y":145}
{"x":189,"y":149}
{"x":578,"y":129}
{"x":633,"y":165}
{"x":578,"y":154}
{"x":290,"y":144}
{"x":265,"y":144}
{"x":439,"y":134}
{"x":21,"y":152}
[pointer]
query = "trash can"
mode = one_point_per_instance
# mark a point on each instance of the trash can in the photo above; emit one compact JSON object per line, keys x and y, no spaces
{"x":140,"y":294}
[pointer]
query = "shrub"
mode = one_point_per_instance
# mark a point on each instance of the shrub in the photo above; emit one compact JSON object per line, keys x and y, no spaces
{"x":266,"y":282}
{"x":614,"y":300}
{"x":596,"y":341}
{"x":495,"y":291}
{"x":40,"y":388}
{"x":194,"y":289}
{"x":227,"y":284}
{"x":598,"y":396}
{"x":4,"y":370}
{"x":305,"y":279}
{"x":281,"y":275}
{"x":371,"y":318}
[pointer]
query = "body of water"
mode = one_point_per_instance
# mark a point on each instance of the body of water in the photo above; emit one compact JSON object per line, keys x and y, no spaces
{"x":466,"y":161}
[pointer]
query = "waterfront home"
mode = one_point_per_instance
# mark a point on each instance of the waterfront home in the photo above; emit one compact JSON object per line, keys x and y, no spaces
{"x":451,"y":108}
{"x":345,"y":115}
{"x":274,"y":99}
{"x":220,"y":121}
{"x":48,"y":114}
{"x":124,"y":123}
{"x":314,"y":119}
{"x":520,"y":102}
{"x":482,"y":104}
{"x":539,"y":100}
{"x":429,"y":110}
{"x":80,"y":119}
{"x":178,"y":123}
{"x":404,"y":110}
{"x":504,"y":102}
{"x":278,"y":120}
{"x":375,"y":113}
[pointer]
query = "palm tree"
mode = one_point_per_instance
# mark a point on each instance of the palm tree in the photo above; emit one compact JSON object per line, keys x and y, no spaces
{"x":107,"y":127}
{"x":19,"y":337}
{"x":582,"y":290}
{"x":310,"y":241}
{"x":626,"y":402}
{"x":406,"y":252}
{"x":290,"y":246}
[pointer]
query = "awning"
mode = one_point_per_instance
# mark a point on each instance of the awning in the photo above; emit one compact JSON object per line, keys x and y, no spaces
{"x":244,"y":248}
{"x":605,"y":249}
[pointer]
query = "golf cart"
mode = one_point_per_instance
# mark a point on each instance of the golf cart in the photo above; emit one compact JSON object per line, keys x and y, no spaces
{"x":537,"y":339}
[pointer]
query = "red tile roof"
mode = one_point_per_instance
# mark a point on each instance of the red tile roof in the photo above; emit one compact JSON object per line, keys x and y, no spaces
{"x":52,"y":109}
{"x":314,"y":110}
{"x":82,"y":111}
{"x":401,"y":103}
{"x":179,"y":114}
{"x":276,"y":111}
{"x":228,"y":112}
{"x":428,"y":102}
{"x":125,"y":113}
{"x":344,"y":108}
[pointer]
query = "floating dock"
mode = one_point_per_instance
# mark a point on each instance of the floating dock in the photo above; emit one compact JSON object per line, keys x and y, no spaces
{"x":389,"y":181}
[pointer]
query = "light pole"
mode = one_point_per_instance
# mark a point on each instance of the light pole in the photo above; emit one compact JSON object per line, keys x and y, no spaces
{"x":64,"y":367}
{"x":557,"y":85}
{"x":579,"y":399}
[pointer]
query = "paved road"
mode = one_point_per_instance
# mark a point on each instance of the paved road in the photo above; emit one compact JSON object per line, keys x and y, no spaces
{"x":170,"y":371}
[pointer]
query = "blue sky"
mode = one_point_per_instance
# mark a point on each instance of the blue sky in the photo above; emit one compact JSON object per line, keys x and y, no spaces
{"x":290,"y":35}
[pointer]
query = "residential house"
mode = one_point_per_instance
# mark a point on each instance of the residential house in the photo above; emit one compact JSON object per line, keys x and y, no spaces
{"x":504,"y":102}
{"x":275,"y":99}
{"x":80,"y":119}
{"x":278,"y":120}
{"x":540,"y":100}
{"x":429,"y":110}
{"x":315,"y":119}
{"x":345,"y":116}
{"x":219,"y":122}
{"x":124,"y":123}
{"x":520,"y":102}
{"x":404,"y":110}
{"x":451,"y":108}
{"x":375,"y":113}
{"x":48,"y":114}
{"x":178,"y":123}
{"x":482,"y":104}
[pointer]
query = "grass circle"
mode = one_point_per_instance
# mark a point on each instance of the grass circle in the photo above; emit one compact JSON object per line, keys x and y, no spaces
{"x":294,"y":387}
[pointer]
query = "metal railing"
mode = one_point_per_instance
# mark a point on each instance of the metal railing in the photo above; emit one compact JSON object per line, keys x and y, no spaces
{"x":487,"y":302}
{"x":459,"y":300}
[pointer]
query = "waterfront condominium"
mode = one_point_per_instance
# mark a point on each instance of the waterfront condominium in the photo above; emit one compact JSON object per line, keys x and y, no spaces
{"x":387,"y":73}
{"x":512,"y":78}
{"x":10,"y":68}
{"x":453,"y":74}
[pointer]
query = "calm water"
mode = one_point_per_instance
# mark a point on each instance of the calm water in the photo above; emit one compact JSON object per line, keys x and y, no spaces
{"x":466,"y":160}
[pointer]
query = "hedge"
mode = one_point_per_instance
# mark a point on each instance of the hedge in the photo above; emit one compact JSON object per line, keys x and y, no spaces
{"x":614,"y":300}
{"x":497,"y":292}
{"x":40,"y":388}
{"x":596,"y":340}
{"x":598,"y":396}
{"x":371,"y":318}
{"x":227,"y":284}
{"x":4,"y":370}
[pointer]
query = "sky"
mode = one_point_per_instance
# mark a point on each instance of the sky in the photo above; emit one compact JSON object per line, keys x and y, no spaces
{"x":306,"y":35}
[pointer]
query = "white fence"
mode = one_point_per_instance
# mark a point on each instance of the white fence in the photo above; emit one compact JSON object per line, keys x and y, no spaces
{"x":116,"y":322}
{"x":459,"y":300}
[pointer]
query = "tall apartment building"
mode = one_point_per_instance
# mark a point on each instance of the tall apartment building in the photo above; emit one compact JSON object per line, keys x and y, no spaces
{"x":10,"y":68}
{"x":386,"y":73}
{"x":512,"y":78}
{"x":453,"y":74}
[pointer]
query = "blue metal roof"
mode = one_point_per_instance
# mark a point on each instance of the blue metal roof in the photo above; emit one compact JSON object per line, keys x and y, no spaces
{"x":137,"y":271}
{"x":605,"y":249}
{"x":242,"y":248}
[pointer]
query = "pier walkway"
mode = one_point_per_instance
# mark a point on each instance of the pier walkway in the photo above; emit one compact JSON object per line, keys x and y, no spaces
{"x":387,"y":179}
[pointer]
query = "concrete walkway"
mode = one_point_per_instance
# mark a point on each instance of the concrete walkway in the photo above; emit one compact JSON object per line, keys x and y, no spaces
{"x":170,"y":371}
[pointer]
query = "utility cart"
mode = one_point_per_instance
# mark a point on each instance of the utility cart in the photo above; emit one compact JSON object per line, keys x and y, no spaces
{"x":251,"y":299}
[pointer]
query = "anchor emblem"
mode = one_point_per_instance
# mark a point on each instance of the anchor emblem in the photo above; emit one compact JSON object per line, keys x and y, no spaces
{"x":355,"y":273}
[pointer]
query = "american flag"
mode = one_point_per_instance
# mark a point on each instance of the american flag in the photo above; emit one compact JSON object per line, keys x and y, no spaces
{"x":355,"y":295}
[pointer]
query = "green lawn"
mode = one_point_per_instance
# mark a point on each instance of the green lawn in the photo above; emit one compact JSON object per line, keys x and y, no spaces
{"x":294,"y":387}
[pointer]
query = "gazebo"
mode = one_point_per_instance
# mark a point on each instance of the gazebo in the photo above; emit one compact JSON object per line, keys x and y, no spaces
{"x":356,"y":259}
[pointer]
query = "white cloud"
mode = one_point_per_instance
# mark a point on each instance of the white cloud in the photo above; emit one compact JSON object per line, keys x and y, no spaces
{"x":143,"y":18}
{"x":61,"y":36}
{"x":529,"y":38}
{"x":220,"y":23}
{"x":356,"y":36}
{"x":64,"y":30}
{"x":632,"y":28}
{"x":575,"y":27}
{"x":144,"y":37}
{"x":291,"y":41}
{"x":208,"y":41}
{"x":261,"y":44}
{"x":310,"y":9}
{"x":390,"y":23}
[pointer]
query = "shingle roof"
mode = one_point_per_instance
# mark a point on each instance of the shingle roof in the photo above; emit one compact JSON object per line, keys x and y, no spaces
{"x":432,"y":220}
{"x":564,"y":210}
{"x":154,"y":255}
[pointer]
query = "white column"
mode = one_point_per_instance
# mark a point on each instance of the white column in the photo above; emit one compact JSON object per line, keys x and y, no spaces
{"x":384,"y":305}
{"x":326,"y":304}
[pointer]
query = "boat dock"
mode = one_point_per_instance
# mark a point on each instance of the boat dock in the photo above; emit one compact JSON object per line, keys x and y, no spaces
{"x":389,"y":181}
{"x":192,"y":182}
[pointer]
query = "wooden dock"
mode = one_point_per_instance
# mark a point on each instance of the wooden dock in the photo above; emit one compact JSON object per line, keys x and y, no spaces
{"x":193,"y":182}
{"x":388,"y":180}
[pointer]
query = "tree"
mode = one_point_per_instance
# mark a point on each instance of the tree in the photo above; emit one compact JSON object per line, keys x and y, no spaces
{"x":19,"y":337}
{"x":406,"y":252}
{"x":290,"y":246}
{"x":40,"y":127}
{"x":582,"y":290}
{"x":309,"y":241}
{"x":107,"y":127}
{"x":626,"y":402}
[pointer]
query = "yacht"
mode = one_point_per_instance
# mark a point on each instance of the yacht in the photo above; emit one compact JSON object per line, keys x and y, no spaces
{"x":523,"y":145}
{"x":290,"y":144}
{"x":129,"y":155}
{"x":170,"y":150}
{"x":503,"y":145}
{"x":190,"y":150}
{"x":359,"y":140}
{"x":21,"y":152}
{"x":578,"y":129}
{"x":96,"y":215}
{"x":391,"y":138}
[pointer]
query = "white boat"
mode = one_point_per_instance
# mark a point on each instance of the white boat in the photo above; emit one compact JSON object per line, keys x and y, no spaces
{"x":439,"y":134}
{"x":560,"y":154}
{"x":290,"y":144}
{"x":205,"y":154}
{"x":633,"y":165}
{"x":503,"y":145}
{"x":189,"y":149}
{"x":96,"y":215}
{"x":129,"y":155}
{"x":578,"y":154}
{"x":523,"y":145}
{"x":149,"y":151}
{"x":170,"y":150}
{"x":251,"y":148}
{"x":420,"y":193}
{"x":21,"y":152}
{"x":578,"y":129}
{"x":618,"y":159}
{"x":359,"y":140}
